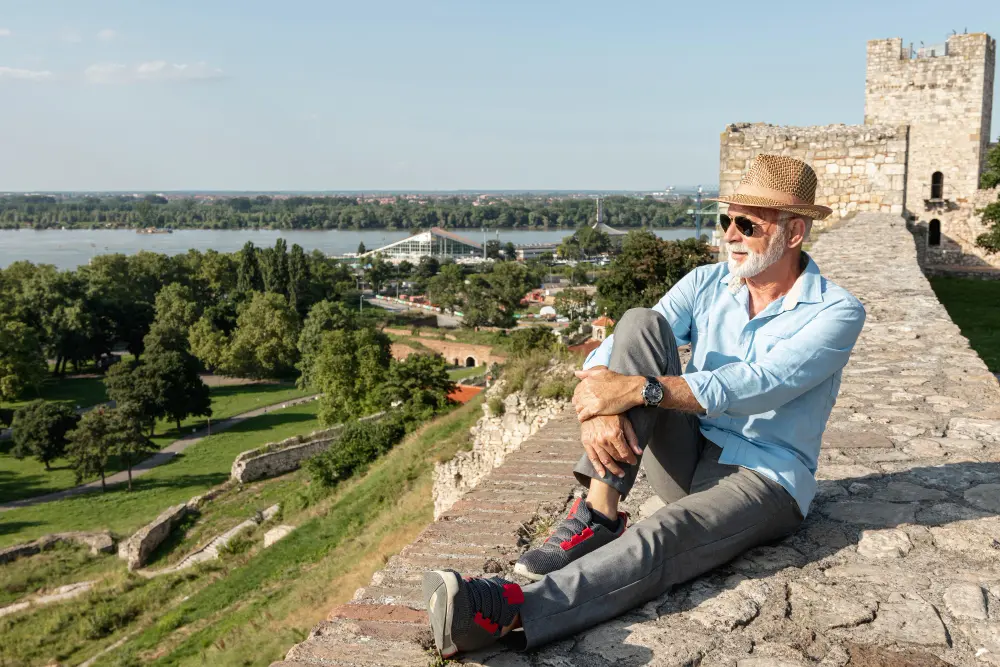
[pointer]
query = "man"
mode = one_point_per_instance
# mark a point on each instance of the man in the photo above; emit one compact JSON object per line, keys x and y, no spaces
{"x":730,"y":445}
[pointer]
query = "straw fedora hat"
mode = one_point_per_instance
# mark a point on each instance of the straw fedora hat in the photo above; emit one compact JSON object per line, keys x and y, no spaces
{"x":777,"y":181}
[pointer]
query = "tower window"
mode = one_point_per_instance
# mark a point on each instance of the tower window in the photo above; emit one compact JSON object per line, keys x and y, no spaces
{"x":937,"y":185}
{"x":934,"y":232}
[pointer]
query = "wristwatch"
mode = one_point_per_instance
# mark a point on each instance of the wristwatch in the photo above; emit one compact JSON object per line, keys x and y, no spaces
{"x":652,"y":392}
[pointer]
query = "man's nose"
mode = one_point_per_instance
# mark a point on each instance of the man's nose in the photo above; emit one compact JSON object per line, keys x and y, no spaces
{"x":732,"y":234}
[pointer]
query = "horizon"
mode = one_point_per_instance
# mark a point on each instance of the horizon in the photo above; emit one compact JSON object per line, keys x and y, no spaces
{"x":446,"y":96}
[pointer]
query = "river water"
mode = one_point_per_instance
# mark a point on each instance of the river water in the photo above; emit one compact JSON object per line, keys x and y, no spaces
{"x":70,"y":248}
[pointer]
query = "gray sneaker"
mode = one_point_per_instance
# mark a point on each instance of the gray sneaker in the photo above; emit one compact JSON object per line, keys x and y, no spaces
{"x":468,"y":614}
{"x":576,"y":536}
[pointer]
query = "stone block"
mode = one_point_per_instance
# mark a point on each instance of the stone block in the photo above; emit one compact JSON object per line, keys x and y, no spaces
{"x":276,"y":533}
{"x":891,"y":543}
{"x":909,"y":619}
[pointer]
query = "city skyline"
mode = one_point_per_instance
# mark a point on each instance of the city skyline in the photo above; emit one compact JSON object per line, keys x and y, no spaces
{"x":440,"y":97}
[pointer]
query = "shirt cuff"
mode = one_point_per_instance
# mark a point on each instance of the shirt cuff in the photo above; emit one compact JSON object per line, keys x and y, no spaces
{"x":709,"y":391}
{"x":597,"y":357}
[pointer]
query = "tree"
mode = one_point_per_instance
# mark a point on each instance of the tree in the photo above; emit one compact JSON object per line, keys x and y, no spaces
{"x":137,"y":385}
{"x":574,"y":304}
{"x":91,"y":444}
{"x":579,"y":275}
{"x":248,"y":275}
{"x":350,"y":369}
{"x":208,"y":343}
{"x":22,"y":363}
{"x":645,"y":269}
{"x":183,"y":393}
{"x":509,"y":251}
{"x":378,"y":272}
{"x":175,"y":306}
{"x":524,"y":341}
{"x":324,"y":316}
{"x":991,"y":169}
{"x":40,"y":430}
{"x":264,"y":343}
{"x":585,"y":242}
{"x":990,"y":240}
{"x":493,"y":299}
{"x":298,"y":280}
{"x":404,"y":269}
{"x":273,"y":264}
{"x":361,"y":248}
{"x":127,"y":439}
{"x":493,"y":249}
{"x":421,"y":382}
{"x":445,"y":289}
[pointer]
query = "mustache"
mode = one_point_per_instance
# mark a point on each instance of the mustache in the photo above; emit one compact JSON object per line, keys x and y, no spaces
{"x":739,"y":247}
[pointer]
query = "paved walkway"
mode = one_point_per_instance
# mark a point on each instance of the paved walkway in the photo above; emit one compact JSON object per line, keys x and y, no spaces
{"x":163,"y":456}
{"x":898,"y":564}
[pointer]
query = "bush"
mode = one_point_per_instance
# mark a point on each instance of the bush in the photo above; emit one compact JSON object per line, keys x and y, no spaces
{"x":360,"y":443}
{"x":497,"y":407}
{"x":107,"y":617}
{"x":241,"y":543}
{"x":559,"y":389}
{"x":523,"y":342}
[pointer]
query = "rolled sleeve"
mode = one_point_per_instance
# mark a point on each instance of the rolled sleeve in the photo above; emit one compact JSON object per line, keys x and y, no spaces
{"x":709,"y":391}
{"x":600,"y":356}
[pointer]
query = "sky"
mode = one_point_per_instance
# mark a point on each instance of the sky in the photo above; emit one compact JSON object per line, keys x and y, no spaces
{"x":158,"y":95}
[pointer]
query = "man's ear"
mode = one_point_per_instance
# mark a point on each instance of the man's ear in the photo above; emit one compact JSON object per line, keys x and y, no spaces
{"x":798,"y":232}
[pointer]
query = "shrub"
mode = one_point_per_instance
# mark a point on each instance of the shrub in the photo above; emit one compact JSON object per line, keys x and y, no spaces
{"x":241,"y":543}
{"x":523,"y":342}
{"x":497,"y":407}
{"x":559,"y":389}
{"x":360,"y":443}
{"x":105,"y":618}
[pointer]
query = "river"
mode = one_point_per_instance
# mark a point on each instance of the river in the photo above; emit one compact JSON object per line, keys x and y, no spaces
{"x":70,"y":248}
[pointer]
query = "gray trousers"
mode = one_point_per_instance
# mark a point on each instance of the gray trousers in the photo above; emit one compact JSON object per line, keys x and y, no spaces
{"x":713,"y":512}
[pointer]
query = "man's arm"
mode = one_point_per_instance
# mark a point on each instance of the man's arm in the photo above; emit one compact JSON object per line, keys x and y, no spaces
{"x":676,"y":306}
{"x":792,"y":367}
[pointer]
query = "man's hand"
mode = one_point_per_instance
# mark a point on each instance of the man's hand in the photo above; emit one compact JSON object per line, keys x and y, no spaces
{"x":607,"y":439}
{"x":604,"y":392}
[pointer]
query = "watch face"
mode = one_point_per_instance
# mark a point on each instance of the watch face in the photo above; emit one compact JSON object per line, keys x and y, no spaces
{"x":652,"y":393}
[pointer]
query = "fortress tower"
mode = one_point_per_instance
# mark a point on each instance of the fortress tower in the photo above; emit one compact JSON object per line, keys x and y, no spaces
{"x":945,"y":94}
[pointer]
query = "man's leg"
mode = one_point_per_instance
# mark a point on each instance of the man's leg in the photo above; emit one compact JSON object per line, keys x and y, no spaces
{"x":645,"y":345}
{"x":730,"y":509}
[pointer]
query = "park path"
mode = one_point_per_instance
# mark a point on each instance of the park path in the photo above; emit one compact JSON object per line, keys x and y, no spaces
{"x":165,"y":455}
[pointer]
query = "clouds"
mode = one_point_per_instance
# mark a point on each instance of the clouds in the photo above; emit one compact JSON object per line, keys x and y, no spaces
{"x":107,"y":35}
{"x":24,"y":74}
{"x":152,"y":71}
{"x":5,"y":32}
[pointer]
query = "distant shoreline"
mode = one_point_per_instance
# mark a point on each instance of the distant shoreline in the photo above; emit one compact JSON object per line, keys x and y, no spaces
{"x":476,"y":230}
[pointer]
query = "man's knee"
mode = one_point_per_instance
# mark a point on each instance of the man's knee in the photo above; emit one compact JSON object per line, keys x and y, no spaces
{"x":637,"y":320}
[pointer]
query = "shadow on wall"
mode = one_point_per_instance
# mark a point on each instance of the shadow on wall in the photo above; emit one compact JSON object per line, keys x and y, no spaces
{"x":936,"y":249}
{"x":930,"y":506}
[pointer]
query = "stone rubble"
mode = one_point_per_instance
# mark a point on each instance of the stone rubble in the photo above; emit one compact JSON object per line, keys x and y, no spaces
{"x":897,"y":565}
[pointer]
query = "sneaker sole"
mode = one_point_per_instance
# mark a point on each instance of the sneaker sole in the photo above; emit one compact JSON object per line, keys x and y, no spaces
{"x":525,"y":572}
{"x":440,"y":589}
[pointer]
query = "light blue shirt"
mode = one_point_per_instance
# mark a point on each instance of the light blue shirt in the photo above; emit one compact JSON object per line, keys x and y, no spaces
{"x":767,"y":384}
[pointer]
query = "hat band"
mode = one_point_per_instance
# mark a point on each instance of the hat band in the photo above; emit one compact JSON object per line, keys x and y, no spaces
{"x":784,"y":198}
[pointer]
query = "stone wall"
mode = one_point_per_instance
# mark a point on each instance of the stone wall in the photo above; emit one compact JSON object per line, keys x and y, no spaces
{"x":453,"y":352}
{"x":494,"y":437}
{"x":101,"y":542}
{"x":860,"y":168}
{"x":137,"y":549}
{"x":946,"y":100}
{"x":278,"y":458}
{"x":959,"y":228}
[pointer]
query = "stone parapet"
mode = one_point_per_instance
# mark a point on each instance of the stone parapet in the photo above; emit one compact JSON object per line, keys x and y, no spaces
{"x":494,"y":437}
{"x":100,"y":542}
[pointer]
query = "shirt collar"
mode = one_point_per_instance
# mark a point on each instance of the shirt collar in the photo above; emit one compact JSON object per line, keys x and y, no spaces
{"x":808,"y":286}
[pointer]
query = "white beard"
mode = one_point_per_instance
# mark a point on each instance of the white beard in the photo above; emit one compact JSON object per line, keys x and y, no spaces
{"x":755,"y":263}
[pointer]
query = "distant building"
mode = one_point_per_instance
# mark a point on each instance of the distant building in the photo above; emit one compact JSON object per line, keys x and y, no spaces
{"x":600,"y":327}
{"x":528,"y":251}
{"x":616,"y":235}
{"x":435,"y":242}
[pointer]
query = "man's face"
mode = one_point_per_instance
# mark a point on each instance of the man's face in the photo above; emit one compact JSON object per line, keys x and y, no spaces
{"x":751,"y":255}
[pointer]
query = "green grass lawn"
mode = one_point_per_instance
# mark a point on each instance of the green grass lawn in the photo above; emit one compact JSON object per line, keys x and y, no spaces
{"x":974,"y":305}
{"x":457,"y":374}
{"x":27,"y":477}
{"x":201,"y":467}
{"x":80,"y":392}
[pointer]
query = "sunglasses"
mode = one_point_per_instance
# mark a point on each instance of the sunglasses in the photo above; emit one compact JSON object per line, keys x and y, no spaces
{"x":744,"y":224}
